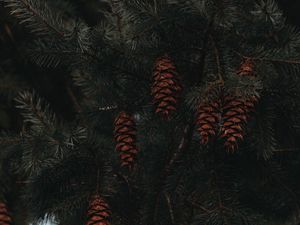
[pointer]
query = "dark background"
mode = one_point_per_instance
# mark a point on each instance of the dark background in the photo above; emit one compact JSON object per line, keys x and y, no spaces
{"x":291,"y":9}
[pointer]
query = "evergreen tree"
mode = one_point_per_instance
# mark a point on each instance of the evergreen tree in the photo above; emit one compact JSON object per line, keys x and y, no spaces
{"x":171,"y":112}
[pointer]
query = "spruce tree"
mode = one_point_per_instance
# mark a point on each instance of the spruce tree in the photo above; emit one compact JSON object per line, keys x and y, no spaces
{"x":171,"y":112}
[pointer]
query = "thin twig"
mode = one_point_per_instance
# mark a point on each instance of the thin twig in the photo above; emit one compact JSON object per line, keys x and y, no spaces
{"x":221,"y":205}
{"x":98,"y":180}
{"x":184,"y":143}
{"x":170,"y":207}
{"x":217,"y":56}
{"x":73,"y":99}
{"x":9,"y":33}
{"x":275,"y":60}
{"x":183,"y":146}
{"x":288,"y":61}
{"x":117,"y":15}
{"x":286,"y":150}
{"x":24,"y":182}
{"x":205,"y":46}
{"x":155,"y":5}
{"x":197,"y":205}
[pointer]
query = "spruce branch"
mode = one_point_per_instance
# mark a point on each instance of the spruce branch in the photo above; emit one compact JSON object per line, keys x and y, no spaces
{"x":6,"y":140}
{"x":37,"y":16}
{"x":115,"y":11}
{"x":34,"y":111}
{"x":288,"y":61}
{"x":275,"y":60}
{"x":284,"y":150}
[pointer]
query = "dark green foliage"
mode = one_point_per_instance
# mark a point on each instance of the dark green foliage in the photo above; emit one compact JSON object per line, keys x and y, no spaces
{"x":53,"y":162}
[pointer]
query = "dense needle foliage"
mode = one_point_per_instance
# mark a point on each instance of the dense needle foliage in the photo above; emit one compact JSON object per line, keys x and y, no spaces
{"x":53,"y":161}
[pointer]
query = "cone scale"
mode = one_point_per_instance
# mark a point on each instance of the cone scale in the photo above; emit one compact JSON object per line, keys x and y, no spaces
{"x":227,"y":117}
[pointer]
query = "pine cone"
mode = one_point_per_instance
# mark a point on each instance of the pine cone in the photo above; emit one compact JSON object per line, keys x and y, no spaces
{"x":235,"y":115}
{"x":166,"y":87}
{"x":246,"y":68}
{"x":208,"y":118}
{"x":98,"y":212}
{"x":125,"y":136}
{"x":236,"y":110}
{"x":5,"y":218}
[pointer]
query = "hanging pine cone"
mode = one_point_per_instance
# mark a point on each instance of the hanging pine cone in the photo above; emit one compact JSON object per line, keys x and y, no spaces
{"x":235,"y":115}
{"x":237,"y":109}
{"x":5,"y":218}
{"x":246,"y":68}
{"x":207,"y":122}
{"x":125,"y":136}
{"x":166,"y":86}
{"x":98,"y":212}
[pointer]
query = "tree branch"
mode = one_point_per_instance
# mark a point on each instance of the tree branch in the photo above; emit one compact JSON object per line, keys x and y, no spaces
{"x":288,"y":61}
{"x":34,"y":12}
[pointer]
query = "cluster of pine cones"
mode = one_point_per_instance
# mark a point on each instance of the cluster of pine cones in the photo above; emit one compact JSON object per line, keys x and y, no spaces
{"x":224,"y":117}
{"x":166,"y":90}
{"x":227,"y":115}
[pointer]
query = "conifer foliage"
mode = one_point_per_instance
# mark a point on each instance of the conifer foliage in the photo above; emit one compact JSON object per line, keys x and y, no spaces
{"x":178,"y":112}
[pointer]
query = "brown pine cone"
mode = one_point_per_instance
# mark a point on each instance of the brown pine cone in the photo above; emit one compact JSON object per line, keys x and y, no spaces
{"x":208,"y":119}
{"x":125,"y":137}
{"x":234,"y":119}
{"x":5,"y":218}
{"x":98,"y":212}
{"x":246,"y":68}
{"x":166,"y":88}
